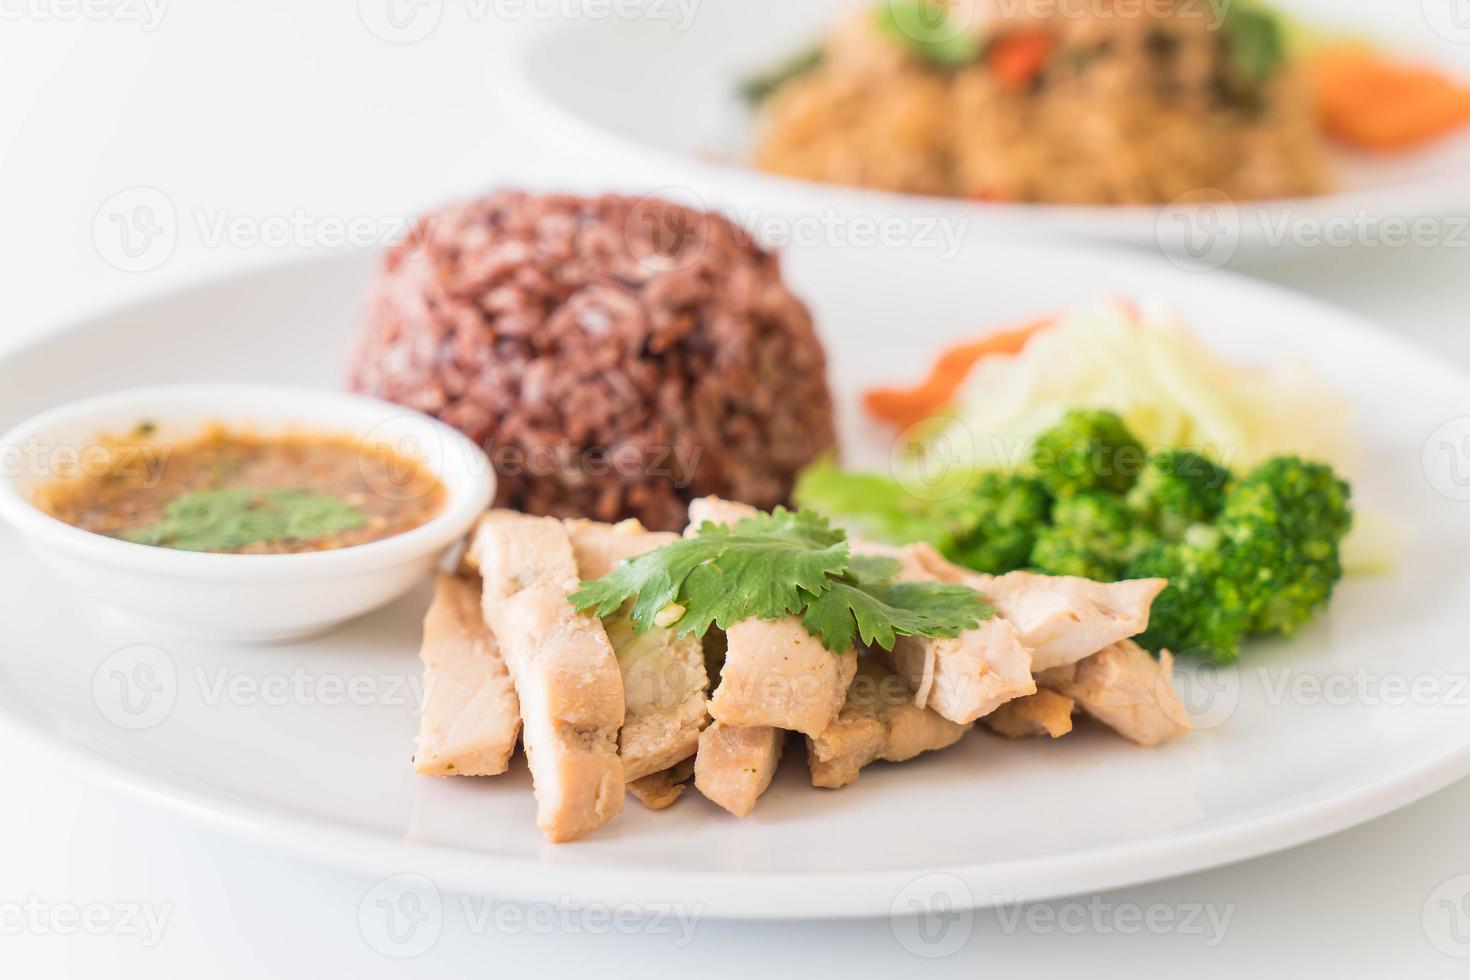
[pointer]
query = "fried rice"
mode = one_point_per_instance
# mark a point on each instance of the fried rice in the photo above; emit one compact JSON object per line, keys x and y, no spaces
{"x":1124,"y":110}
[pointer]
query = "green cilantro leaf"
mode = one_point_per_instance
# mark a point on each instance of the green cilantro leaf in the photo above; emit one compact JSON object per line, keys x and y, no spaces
{"x":877,"y":569}
{"x":224,"y":520}
{"x":757,"y":568}
{"x":780,"y":564}
{"x":881,"y":613}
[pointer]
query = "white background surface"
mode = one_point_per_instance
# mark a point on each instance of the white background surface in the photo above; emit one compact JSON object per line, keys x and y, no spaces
{"x":264,"y":115}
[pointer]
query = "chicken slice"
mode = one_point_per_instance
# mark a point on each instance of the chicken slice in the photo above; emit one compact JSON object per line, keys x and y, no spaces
{"x":961,"y":677}
{"x":1061,"y":618}
{"x":565,"y":672}
{"x":660,"y":789}
{"x":1044,"y":713}
{"x":735,"y":765}
{"x":775,"y":673}
{"x":878,"y":721}
{"x":470,"y":717}
{"x":664,"y":681}
{"x":1127,"y":690}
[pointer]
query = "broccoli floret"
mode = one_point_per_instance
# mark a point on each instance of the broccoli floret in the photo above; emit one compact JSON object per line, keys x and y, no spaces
{"x":1202,"y":612}
{"x":1093,"y":535}
{"x":1283,"y":525}
{"x":1087,"y":450}
{"x":1179,"y":488}
{"x":997,"y":522}
{"x":1268,"y":565}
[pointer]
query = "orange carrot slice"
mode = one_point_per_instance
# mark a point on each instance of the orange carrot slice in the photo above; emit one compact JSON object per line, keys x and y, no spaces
{"x":1017,"y":59}
{"x":1375,"y":104}
{"x":903,"y":407}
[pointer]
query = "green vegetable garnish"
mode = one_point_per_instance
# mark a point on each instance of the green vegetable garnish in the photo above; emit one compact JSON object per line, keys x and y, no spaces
{"x":1093,"y":535}
{"x":1257,"y":47}
{"x":1088,"y":450}
{"x":759,"y":88}
{"x":775,"y":565}
{"x":1177,"y":489}
{"x":924,"y":27}
{"x":223,"y":520}
{"x":1202,"y":613}
{"x":1283,"y":524}
{"x":1256,"y":555}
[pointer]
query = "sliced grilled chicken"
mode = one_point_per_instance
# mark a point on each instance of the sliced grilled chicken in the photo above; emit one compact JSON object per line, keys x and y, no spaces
{"x":471,"y":717}
{"x":565,"y":672}
{"x":664,"y":682}
{"x":775,"y":673}
{"x":660,"y":789}
{"x":1044,"y":713}
{"x":1062,"y":619}
{"x":734,"y":765}
{"x":961,"y":677}
{"x":878,"y":721}
{"x":1126,"y":689}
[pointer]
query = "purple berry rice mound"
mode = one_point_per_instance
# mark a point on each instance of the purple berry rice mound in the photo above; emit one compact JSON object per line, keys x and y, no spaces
{"x":616,"y":357}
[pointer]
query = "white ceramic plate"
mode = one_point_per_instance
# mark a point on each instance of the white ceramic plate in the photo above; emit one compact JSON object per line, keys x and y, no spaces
{"x":658,"y":93}
{"x":306,"y":748}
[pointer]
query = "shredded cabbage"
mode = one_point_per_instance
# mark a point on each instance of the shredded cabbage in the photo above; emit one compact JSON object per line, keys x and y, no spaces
{"x":1150,"y":368}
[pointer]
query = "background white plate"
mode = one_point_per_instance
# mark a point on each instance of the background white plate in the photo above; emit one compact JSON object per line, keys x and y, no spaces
{"x":660,"y":94}
{"x":306,"y":748}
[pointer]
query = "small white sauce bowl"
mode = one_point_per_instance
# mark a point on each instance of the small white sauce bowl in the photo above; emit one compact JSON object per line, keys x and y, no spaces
{"x":229,"y":597}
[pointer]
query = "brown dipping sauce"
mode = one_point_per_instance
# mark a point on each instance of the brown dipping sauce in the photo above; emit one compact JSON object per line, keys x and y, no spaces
{"x":236,"y":493}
